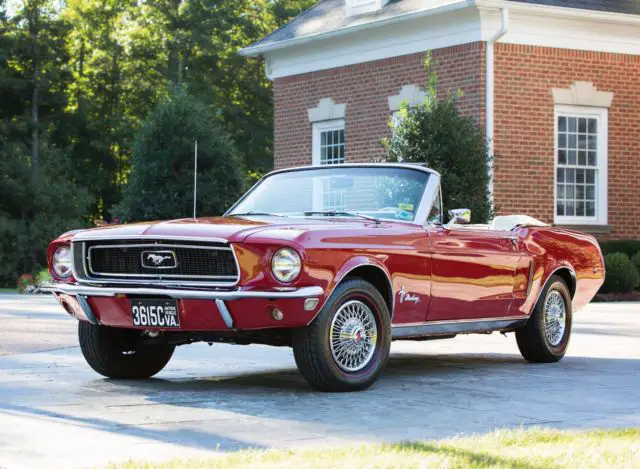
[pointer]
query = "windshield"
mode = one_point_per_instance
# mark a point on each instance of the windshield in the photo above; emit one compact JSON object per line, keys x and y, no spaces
{"x":382,"y":192}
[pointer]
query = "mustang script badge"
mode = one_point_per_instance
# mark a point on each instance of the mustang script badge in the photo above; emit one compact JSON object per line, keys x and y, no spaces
{"x":405,"y":296}
{"x":159,"y":260}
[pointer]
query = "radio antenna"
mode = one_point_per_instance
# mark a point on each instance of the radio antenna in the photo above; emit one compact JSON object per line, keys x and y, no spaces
{"x":195,"y":178}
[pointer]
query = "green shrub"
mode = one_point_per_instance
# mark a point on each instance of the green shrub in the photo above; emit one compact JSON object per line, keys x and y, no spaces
{"x":636,"y":260}
{"x":622,"y":275}
{"x":434,"y":132}
{"x":630,"y":247}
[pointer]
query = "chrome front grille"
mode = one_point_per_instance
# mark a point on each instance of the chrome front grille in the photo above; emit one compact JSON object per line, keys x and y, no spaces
{"x":167,"y":260}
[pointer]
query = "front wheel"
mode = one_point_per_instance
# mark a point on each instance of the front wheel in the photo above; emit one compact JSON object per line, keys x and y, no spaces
{"x":545,"y":337}
{"x":347,"y":345}
{"x":118,"y":353}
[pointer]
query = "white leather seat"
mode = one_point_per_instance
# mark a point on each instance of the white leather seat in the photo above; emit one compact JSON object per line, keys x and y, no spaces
{"x":509,"y":222}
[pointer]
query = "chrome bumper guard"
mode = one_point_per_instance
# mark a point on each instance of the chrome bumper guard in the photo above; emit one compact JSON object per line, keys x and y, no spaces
{"x":86,"y":290}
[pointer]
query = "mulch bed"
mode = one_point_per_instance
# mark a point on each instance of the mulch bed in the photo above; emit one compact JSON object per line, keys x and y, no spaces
{"x":631,"y":296}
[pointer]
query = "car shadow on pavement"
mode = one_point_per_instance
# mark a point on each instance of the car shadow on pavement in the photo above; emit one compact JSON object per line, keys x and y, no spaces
{"x":487,"y":391}
{"x":291,"y":381}
{"x":418,"y":397}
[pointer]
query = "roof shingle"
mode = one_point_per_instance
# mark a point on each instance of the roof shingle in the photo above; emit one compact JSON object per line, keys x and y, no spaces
{"x":330,"y":15}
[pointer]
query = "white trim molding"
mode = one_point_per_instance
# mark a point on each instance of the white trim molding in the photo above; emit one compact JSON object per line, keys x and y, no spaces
{"x":327,"y":110}
{"x":582,"y":93}
{"x":443,"y":27}
{"x":411,"y":94}
{"x":451,"y":23}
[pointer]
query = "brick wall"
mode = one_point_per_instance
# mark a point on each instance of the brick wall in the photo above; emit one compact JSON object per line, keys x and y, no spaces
{"x":524,"y":113}
{"x":365,"y":89}
{"x":524,"y":126}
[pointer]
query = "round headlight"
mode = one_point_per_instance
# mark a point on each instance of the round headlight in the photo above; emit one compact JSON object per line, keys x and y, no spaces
{"x":286,"y":265}
{"x":61,"y":262}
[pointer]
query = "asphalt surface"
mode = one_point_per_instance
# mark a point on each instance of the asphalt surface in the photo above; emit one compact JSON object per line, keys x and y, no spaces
{"x":55,"y":412}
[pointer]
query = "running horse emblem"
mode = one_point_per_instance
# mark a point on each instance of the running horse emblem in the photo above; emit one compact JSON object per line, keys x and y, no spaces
{"x":157,"y":259}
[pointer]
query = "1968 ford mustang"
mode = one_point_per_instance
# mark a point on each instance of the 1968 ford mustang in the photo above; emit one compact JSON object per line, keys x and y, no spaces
{"x":335,"y":262}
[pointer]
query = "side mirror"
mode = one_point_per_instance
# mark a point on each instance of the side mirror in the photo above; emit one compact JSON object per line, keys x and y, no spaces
{"x":459,"y":216}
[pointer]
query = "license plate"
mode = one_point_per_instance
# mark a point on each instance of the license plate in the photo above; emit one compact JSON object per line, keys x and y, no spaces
{"x":155,"y":313}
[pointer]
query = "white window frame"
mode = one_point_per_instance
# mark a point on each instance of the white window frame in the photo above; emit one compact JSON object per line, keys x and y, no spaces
{"x":318,"y":128}
{"x":602,"y":114}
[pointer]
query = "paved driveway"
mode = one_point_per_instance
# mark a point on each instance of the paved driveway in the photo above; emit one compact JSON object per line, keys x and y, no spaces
{"x":55,"y":412}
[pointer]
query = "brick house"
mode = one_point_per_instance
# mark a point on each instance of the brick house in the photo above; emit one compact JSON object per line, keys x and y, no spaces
{"x":554,"y":83}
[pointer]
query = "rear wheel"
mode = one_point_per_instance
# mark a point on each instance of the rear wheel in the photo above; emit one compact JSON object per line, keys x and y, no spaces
{"x":545,"y":337}
{"x":118,"y":353}
{"x":347,"y":345}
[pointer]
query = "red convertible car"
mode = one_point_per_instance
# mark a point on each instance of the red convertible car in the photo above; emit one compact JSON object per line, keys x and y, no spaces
{"x":335,"y":262}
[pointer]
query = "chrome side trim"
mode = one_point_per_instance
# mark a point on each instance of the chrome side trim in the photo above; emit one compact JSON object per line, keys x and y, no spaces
{"x":532,"y":272}
{"x":224,"y":312}
{"x":102,"y":275}
{"x":71,"y":289}
{"x":462,"y":326}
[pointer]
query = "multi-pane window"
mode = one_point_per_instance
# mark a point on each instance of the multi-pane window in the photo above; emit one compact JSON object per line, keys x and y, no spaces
{"x":328,"y":142}
{"x":580,"y":166}
{"x":328,"y":148}
{"x":332,"y":146}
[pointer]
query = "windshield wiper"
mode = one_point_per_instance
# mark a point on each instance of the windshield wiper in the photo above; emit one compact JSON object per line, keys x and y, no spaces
{"x":334,"y":213}
{"x":247,"y":214}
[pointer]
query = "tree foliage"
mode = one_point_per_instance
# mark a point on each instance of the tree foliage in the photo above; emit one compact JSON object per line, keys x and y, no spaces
{"x":161,"y":182}
{"x":35,"y":208}
{"x":79,"y":78}
{"x":434,"y":132}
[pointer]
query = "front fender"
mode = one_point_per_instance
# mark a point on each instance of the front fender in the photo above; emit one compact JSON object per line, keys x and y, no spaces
{"x":352,"y":264}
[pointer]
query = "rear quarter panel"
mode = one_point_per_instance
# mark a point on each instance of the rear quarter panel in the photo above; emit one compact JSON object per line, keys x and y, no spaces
{"x":552,"y":249}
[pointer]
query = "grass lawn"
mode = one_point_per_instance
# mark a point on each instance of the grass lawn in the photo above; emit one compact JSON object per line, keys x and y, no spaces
{"x":514,"y":449}
{"x":8,"y":290}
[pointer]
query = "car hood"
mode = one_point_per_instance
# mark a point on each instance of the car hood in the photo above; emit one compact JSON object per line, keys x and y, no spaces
{"x":232,"y":229}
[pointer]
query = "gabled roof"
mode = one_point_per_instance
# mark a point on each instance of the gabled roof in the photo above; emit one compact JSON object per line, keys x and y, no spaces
{"x":329,"y":16}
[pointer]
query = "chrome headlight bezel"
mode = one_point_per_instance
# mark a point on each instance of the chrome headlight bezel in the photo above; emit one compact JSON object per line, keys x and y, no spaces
{"x":286,"y":265}
{"x":61,"y":262}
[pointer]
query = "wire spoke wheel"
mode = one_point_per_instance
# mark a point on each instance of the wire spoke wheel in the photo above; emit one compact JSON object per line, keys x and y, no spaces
{"x":353,"y":336}
{"x":555,"y":318}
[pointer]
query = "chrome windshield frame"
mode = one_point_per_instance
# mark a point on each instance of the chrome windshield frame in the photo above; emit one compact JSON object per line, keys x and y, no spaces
{"x":422,"y":213}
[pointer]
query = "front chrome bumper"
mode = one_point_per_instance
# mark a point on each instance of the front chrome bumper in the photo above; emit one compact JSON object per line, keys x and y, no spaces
{"x":86,"y":290}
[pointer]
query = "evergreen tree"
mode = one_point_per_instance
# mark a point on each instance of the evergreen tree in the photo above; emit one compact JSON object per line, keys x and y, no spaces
{"x":161,"y":180}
